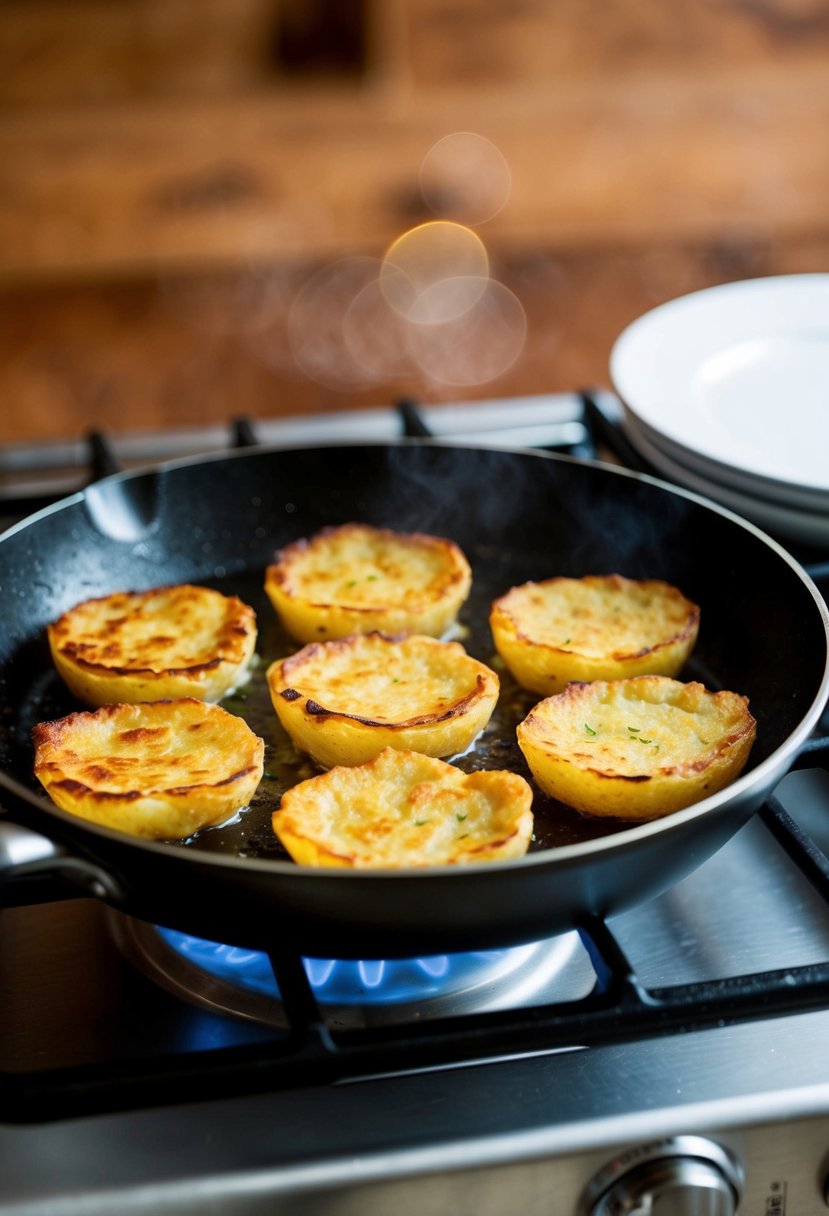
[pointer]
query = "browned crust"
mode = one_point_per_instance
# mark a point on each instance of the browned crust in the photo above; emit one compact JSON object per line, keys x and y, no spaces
{"x":281,"y":570}
{"x":312,"y":649}
{"x":634,"y":778}
{"x":52,"y":731}
{"x":688,"y":630}
{"x":725,"y":743}
{"x":240,"y":620}
{"x":294,"y":820}
{"x":49,"y":736}
{"x":71,"y":653}
{"x":79,"y":789}
{"x":316,"y":711}
{"x":320,"y":713}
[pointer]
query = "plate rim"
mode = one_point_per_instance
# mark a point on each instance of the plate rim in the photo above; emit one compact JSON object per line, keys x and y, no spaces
{"x":784,"y":489}
{"x":805,"y":527}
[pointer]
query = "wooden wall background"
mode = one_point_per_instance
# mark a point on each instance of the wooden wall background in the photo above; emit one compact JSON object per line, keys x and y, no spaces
{"x":174,"y":172}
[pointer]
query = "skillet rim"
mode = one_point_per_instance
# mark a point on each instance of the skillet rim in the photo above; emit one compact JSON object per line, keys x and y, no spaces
{"x":560,"y":856}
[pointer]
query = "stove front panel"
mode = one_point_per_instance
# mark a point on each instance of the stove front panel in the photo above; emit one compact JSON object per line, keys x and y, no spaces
{"x":524,"y":1135}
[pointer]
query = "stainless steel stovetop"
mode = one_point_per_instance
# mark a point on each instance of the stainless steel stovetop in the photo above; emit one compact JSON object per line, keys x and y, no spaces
{"x":709,"y":1115}
{"x":527,"y":1133}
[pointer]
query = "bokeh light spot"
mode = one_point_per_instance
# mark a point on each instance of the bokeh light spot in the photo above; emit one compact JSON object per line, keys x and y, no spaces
{"x":424,"y":259}
{"x":476,"y":347}
{"x":465,"y":177}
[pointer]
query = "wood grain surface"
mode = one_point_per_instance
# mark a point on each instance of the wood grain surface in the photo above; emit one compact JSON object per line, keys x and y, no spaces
{"x":174,"y":175}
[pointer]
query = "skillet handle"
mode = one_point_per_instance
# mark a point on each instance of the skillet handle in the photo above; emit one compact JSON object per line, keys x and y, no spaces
{"x":26,"y":855}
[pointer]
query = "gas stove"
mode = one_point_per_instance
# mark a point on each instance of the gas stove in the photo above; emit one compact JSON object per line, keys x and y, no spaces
{"x":669,"y":1059}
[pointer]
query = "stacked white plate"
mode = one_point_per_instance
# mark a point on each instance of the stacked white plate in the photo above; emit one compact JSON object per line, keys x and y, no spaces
{"x":726,"y":392}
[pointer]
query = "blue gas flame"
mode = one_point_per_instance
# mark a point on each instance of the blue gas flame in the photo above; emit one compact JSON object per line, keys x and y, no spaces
{"x":336,"y":981}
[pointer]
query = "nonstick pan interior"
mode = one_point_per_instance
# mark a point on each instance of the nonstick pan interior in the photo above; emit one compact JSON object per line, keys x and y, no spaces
{"x":517,"y":516}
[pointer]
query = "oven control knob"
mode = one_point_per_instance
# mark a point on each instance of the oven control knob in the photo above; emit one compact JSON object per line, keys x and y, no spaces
{"x":679,"y":1176}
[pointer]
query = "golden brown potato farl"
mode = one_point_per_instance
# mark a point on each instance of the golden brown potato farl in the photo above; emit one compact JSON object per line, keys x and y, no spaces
{"x":160,"y":769}
{"x":638,"y":748}
{"x":404,"y":809}
{"x":343,"y":701}
{"x":599,"y":627}
{"x":161,"y":644}
{"x":360,"y":579}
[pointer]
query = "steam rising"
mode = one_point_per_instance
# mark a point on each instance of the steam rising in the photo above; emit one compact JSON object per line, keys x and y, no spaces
{"x":427,"y":311}
{"x":317,"y":323}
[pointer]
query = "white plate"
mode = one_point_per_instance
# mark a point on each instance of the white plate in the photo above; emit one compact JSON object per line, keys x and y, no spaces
{"x":737,"y":378}
{"x":785,"y":494}
{"x":791,"y":523}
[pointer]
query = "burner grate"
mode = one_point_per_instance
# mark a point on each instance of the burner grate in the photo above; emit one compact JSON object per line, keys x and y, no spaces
{"x":34,"y":475}
{"x":620,"y":1008}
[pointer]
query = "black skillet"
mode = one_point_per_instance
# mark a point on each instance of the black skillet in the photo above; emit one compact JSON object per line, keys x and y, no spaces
{"x":517,"y":516}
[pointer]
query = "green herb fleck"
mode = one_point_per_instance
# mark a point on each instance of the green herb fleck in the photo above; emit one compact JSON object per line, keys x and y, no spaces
{"x":589,"y":729}
{"x":461,"y":815}
{"x":420,"y":822}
